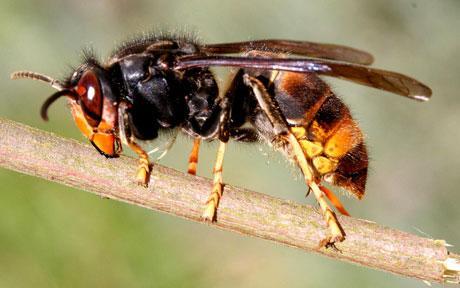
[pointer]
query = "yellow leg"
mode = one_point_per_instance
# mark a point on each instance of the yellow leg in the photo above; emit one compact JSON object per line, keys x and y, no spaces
{"x":143,"y":172}
{"x":193,"y":158}
{"x":337,"y":233}
{"x":216,"y":193}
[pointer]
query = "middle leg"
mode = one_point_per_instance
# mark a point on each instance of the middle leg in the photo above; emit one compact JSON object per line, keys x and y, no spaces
{"x":226,"y":103}
{"x":193,"y":157}
{"x":217,"y":188}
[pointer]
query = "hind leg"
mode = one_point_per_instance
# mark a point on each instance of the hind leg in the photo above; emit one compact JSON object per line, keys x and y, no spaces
{"x":283,"y":136}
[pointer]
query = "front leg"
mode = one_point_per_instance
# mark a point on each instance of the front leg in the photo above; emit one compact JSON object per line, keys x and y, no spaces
{"x":127,"y":137}
{"x":144,"y":168}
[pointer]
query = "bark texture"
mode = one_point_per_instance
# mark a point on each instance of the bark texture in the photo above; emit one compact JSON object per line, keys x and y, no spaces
{"x":42,"y":154}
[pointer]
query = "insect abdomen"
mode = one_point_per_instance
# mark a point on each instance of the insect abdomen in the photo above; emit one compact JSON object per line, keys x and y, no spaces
{"x":327,"y":133}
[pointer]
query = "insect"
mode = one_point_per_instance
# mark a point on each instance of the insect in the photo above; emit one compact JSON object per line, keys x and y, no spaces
{"x":157,"y":83}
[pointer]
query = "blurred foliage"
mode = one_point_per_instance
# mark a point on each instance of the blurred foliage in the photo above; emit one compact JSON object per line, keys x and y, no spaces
{"x":52,"y":236}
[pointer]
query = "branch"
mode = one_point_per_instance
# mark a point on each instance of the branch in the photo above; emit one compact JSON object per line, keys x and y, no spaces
{"x":27,"y":150}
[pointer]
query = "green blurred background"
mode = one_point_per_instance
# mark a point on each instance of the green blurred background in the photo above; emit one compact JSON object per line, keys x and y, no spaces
{"x":54,"y":236}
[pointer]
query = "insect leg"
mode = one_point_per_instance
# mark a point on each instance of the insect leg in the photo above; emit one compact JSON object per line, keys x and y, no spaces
{"x":193,"y":157}
{"x":268,"y":105}
{"x":217,"y":189}
{"x":226,"y":103}
{"x":283,"y":133}
{"x":143,"y":172}
{"x":144,"y":168}
{"x":337,"y":233}
{"x":334,"y":200}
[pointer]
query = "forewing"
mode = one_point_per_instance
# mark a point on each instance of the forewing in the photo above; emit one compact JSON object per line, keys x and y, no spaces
{"x":311,"y":49}
{"x":380,"y":79}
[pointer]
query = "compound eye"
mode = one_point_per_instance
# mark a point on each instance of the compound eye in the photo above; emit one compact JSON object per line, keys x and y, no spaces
{"x":89,"y":90}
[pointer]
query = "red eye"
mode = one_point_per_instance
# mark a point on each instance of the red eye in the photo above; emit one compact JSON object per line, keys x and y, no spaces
{"x":89,"y":90}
